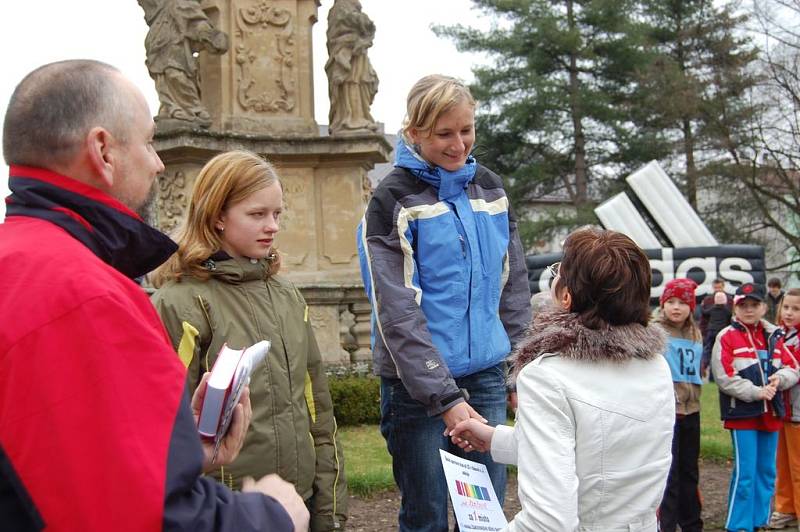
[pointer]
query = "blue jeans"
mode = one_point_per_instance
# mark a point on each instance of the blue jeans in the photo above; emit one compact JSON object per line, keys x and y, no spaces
{"x":414,"y":440}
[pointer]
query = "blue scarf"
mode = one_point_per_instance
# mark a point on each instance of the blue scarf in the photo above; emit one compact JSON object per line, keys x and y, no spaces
{"x":449,"y":184}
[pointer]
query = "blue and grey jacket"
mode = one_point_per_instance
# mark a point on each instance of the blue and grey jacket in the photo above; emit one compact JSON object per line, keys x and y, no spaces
{"x":443,"y":267}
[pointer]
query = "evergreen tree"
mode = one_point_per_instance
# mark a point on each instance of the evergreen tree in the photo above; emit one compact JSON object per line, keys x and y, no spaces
{"x":555,"y":114}
{"x":698,"y":87}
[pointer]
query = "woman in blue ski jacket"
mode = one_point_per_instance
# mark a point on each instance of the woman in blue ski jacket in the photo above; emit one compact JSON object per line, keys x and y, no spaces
{"x":443,"y":267}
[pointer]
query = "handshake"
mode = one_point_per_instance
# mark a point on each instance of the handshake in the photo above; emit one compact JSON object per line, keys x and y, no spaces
{"x":471,"y":435}
{"x":468,"y":429}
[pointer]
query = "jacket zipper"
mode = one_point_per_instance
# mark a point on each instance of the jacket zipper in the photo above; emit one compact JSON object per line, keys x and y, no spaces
{"x":760,"y":367}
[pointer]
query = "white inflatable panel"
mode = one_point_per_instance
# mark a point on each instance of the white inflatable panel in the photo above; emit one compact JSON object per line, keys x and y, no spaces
{"x":669,"y":208}
{"x":619,"y":214}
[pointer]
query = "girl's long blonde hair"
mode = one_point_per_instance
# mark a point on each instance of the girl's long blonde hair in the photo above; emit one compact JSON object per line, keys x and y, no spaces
{"x":790,"y":292}
{"x":225,"y":180}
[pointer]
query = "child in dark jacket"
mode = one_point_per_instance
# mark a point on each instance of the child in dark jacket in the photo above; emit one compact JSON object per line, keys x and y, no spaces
{"x":715,"y":314}
{"x":681,"y":503}
{"x":751,"y":364}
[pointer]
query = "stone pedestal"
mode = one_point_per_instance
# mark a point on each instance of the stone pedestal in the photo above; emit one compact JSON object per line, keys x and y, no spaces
{"x":260,"y":98}
{"x":264,"y":84}
{"x":333,"y":310}
{"x":361,"y":329}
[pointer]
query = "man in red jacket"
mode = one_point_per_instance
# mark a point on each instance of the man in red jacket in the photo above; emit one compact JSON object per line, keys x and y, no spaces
{"x":96,"y":431}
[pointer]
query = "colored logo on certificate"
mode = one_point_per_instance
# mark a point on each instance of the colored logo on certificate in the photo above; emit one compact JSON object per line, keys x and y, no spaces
{"x":472,"y":491}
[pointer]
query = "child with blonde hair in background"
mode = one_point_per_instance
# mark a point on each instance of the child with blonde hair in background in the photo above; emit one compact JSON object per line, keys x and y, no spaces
{"x":681,"y":504}
{"x":787,"y":487}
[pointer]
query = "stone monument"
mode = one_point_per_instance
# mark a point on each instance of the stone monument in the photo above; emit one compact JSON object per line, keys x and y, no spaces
{"x":179,"y":30}
{"x":352,"y":82}
{"x":258,"y":96}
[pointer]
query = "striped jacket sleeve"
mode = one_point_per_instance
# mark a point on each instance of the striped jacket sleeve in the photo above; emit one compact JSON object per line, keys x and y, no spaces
{"x":390,"y":277}
{"x":725,"y":374}
{"x":189,"y":331}
{"x":515,"y":299}
{"x":789,"y":371}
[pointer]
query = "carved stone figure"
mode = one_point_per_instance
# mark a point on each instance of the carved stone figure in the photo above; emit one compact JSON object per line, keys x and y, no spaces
{"x":352,"y":82}
{"x":179,"y":29}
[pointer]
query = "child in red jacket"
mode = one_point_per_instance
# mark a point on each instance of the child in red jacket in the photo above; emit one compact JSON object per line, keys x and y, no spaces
{"x":750,"y":365}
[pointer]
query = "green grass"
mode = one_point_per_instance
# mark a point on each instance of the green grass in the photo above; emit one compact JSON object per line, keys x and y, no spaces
{"x":715,"y":441}
{"x":367,"y":463}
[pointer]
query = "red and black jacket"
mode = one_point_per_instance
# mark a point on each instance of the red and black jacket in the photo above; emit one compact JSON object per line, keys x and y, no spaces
{"x":95,"y":425}
{"x":740,"y":373}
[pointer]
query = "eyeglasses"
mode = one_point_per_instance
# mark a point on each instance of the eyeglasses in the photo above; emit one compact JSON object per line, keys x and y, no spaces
{"x":553,"y":269}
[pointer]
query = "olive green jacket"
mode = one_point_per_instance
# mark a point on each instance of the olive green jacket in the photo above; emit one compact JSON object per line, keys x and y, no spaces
{"x":293,"y":431}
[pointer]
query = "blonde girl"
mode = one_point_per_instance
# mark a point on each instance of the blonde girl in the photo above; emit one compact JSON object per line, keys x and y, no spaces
{"x":222,"y":286}
{"x":787,"y":486}
{"x":444,"y":270}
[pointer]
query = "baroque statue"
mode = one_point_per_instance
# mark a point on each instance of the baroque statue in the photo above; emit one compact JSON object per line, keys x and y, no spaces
{"x":179,"y":30}
{"x":352,"y":82}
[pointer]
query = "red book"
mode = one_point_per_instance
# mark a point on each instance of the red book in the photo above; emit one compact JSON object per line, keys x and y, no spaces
{"x":230,"y":374}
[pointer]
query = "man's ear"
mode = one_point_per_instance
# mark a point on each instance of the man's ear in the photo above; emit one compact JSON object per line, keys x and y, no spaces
{"x":101,"y":159}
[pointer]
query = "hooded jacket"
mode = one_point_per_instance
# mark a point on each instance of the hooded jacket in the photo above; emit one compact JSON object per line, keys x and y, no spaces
{"x":593,"y":434}
{"x":293,"y":431}
{"x":95,"y":421}
{"x":443,"y":267}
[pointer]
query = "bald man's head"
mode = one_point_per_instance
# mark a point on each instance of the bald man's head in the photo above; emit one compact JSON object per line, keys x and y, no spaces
{"x":55,"y":106}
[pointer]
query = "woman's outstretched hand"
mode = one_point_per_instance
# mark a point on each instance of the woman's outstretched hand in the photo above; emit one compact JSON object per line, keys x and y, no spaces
{"x":472,"y":435}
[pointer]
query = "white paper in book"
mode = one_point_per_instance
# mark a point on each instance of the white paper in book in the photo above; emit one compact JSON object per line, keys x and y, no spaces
{"x":474,"y":500}
{"x":230,"y":374}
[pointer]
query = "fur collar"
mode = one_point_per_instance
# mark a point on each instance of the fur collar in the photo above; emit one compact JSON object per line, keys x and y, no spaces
{"x":561,"y":332}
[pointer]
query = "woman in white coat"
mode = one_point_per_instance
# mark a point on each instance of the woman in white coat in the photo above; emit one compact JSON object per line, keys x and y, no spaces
{"x":596,"y":409}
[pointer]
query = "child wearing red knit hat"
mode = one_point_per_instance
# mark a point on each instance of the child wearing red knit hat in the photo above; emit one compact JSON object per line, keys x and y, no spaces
{"x":681,"y":503}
